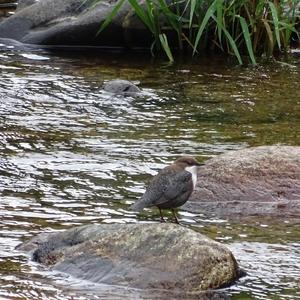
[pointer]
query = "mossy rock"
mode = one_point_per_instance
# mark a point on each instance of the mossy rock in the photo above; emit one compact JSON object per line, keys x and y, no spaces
{"x":165,"y":257}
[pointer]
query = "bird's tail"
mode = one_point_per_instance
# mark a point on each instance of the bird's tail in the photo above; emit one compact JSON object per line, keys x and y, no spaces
{"x":139,"y":205}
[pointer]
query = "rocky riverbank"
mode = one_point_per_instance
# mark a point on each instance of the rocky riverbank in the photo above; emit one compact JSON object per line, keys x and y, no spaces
{"x":74,"y":22}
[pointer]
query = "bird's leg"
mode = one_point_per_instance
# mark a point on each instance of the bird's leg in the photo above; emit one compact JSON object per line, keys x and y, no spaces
{"x":175,"y":217}
{"x":161,"y":216}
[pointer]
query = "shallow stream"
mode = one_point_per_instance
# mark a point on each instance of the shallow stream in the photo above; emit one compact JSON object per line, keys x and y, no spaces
{"x":72,"y":154}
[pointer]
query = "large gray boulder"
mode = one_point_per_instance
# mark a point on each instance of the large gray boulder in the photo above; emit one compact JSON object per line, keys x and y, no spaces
{"x":255,"y":181}
{"x":164,"y":257}
{"x":74,"y":22}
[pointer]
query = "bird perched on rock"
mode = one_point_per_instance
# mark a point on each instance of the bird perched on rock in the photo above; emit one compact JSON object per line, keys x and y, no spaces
{"x":171,"y":187}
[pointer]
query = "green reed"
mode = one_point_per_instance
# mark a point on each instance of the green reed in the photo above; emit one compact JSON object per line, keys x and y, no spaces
{"x":251,"y":28}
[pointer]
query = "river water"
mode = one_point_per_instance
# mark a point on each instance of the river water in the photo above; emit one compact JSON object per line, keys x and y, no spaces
{"x":72,"y":154}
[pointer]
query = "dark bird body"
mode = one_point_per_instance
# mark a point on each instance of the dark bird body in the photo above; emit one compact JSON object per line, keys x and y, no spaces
{"x":171,"y":187}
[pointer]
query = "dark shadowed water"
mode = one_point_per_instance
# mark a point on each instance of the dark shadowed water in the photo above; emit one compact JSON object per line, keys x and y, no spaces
{"x":72,"y":154}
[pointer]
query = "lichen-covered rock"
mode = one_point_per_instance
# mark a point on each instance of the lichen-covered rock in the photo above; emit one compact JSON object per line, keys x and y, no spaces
{"x":143,"y":256}
{"x":254,"y":181}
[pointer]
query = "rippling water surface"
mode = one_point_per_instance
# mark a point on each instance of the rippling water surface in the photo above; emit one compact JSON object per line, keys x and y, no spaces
{"x":73,"y":154}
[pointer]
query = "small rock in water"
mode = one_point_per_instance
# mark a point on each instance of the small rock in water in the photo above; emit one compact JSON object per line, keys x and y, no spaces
{"x":119,"y":86}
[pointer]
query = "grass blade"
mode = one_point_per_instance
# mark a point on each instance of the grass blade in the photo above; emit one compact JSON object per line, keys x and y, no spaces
{"x":140,"y":12}
{"x":211,"y":10}
{"x":231,"y":42}
{"x":172,"y":18}
{"x":219,"y":8}
{"x":192,"y":12}
{"x":247,"y":39}
{"x":233,"y":46}
{"x":275,"y":22}
{"x":270,"y":37}
{"x":110,"y":17}
{"x":164,"y":42}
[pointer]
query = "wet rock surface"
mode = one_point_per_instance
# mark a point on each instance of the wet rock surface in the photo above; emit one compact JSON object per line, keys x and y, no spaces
{"x":166,"y":256}
{"x":119,"y":86}
{"x":255,"y":181}
{"x":14,"y":46}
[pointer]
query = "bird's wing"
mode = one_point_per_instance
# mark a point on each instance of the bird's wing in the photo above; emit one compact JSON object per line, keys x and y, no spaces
{"x":156,"y":189}
{"x":177,"y":184}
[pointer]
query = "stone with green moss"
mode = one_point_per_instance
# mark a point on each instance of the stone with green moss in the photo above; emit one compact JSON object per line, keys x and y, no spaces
{"x":155,"y":256}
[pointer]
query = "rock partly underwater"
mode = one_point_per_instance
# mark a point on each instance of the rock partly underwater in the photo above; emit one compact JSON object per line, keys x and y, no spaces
{"x":166,"y":257}
{"x":254,"y":181}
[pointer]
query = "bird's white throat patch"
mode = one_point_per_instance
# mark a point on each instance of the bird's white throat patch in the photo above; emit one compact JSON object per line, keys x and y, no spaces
{"x":193,"y":171}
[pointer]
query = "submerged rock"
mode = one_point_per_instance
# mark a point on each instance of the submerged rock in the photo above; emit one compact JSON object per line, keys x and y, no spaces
{"x":143,"y":256}
{"x":255,"y":181}
{"x":119,"y":86}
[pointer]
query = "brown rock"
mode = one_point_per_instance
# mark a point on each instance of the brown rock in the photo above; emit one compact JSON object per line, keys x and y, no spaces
{"x":254,"y":181}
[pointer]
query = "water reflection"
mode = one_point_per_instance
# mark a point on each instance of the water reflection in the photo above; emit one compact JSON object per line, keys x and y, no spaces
{"x":72,"y":154}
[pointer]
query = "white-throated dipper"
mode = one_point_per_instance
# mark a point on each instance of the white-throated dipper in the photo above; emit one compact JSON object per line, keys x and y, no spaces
{"x":171,"y":187}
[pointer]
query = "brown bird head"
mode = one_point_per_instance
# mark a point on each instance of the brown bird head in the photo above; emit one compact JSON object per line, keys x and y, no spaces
{"x":187,"y":161}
